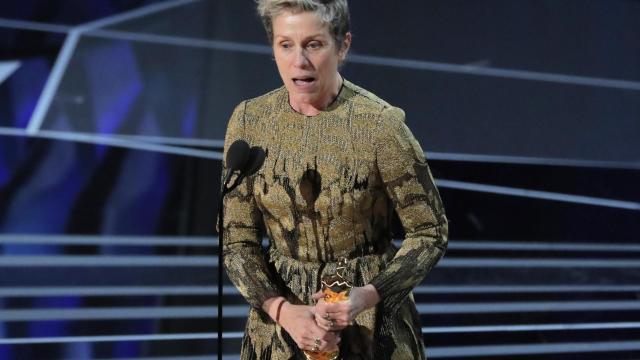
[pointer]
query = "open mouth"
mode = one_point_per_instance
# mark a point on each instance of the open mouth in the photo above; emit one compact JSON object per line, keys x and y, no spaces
{"x":303,"y":80}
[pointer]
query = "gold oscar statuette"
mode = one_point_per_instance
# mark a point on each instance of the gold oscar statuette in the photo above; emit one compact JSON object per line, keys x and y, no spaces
{"x":335,"y":288}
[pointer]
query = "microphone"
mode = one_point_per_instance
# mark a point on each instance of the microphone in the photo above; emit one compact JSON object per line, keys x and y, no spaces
{"x":237,"y":157}
{"x":255,"y":160}
{"x":243,"y":160}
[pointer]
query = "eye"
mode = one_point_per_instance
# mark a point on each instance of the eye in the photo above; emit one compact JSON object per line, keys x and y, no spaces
{"x":313,"y":45}
{"x":285,"y":45}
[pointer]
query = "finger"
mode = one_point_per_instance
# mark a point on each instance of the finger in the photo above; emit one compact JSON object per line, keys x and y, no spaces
{"x":322,"y":325}
{"x":317,"y":296}
{"x":318,"y":344}
{"x":326,"y":344}
{"x":339,"y":324}
{"x":321,"y":321}
{"x":322,"y":316}
{"x":338,"y":327}
{"x":320,"y":308}
{"x":330,"y":307}
{"x":329,"y":326}
{"x":337,"y":307}
{"x":330,"y":336}
{"x":332,"y":344}
{"x":343,"y":316}
{"x":329,"y":347}
{"x":330,"y":323}
{"x":325,"y":321}
{"x":306,"y":344}
{"x":335,"y":317}
{"x":335,"y":327}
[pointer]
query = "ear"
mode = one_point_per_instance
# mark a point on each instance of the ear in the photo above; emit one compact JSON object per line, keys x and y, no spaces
{"x":344,"y":48}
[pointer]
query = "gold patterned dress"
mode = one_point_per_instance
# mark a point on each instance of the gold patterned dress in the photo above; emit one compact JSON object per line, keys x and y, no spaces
{"x":327,"y":190}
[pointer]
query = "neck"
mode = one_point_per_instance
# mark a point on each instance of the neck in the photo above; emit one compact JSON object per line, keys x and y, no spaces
{"x":312,"y":107}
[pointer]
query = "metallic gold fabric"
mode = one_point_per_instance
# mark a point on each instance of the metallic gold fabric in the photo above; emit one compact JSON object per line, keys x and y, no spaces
{"x":327,"y":190}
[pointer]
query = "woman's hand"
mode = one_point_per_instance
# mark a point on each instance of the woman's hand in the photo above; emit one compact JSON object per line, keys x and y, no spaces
{"x":339,"y":315}
{"x":299,"y":322}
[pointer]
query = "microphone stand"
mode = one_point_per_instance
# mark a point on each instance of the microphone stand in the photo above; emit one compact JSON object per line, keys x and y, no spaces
{"x":244,"y":162}
{"x":225,"y":190}
{"x":220,"y":272}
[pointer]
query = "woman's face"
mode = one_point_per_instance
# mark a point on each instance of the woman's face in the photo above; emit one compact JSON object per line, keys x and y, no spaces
{"x":307,"y":57}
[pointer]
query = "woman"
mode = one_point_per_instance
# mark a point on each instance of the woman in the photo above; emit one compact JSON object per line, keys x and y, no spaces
{"x":339,"y":161}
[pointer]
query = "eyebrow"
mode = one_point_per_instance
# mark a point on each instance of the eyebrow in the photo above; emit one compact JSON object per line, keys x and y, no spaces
{"x":306,"y":38}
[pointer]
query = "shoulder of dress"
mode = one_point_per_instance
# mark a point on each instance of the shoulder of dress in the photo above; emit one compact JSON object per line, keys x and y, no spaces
{"x":265,"y":102}
{"x":366,"y":102}
{"x":365,"y":97}
{"x":252,"y":113}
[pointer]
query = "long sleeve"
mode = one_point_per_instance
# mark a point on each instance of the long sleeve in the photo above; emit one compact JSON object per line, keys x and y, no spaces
{"x":244,"y":258}
{"x":409,"y":184}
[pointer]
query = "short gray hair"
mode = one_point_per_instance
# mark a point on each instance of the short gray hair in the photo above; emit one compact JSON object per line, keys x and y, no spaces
{"x":334,"y":13}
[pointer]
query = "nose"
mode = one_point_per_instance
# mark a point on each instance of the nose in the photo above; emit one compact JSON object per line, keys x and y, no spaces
{"x":301,"y":59}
